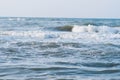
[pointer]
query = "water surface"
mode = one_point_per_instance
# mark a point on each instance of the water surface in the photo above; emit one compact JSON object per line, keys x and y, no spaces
{"x":49,"y":49}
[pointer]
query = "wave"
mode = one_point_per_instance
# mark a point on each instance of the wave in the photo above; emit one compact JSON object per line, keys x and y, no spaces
{"x":96,"y":29}
{"x":79,"y":34}
{"x":90,"y":29}
{"x":65,"y":28}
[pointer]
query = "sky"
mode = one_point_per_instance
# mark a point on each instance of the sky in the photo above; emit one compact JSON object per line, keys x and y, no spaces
{"x":60,"y":8}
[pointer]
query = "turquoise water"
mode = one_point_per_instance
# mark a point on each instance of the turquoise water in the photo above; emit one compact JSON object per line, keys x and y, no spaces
{"x":59,"y":49}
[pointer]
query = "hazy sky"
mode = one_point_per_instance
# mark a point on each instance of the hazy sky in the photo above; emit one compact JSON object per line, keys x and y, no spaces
{"x":61,"y":8}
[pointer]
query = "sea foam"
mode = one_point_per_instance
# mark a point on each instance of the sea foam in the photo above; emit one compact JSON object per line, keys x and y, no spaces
{"x":23,"y":33}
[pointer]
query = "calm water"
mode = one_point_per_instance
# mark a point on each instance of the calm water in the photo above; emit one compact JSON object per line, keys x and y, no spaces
{"x":59,"y":49}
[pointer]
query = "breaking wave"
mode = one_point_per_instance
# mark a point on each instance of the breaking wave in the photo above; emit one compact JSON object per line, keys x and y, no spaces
{"x":87,"y":34}
{"x":90,"y":29}
{"x":97,"y":29}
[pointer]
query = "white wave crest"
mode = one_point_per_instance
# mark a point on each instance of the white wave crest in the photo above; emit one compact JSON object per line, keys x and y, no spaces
{"x":95,"y":29}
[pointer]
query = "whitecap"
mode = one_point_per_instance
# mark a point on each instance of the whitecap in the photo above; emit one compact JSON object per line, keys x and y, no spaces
{"x":94,"y":29}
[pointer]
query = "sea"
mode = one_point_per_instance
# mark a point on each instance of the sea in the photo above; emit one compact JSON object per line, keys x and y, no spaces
{"x":59,"y":48}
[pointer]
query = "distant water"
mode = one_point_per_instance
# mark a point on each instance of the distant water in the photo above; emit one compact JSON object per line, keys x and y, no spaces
{"x":59,"y":49}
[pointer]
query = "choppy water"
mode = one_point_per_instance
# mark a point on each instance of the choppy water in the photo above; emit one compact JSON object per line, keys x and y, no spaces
{"x":59,"y":49}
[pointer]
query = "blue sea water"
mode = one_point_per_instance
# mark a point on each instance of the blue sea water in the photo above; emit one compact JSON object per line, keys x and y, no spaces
{"x":59,"y":49}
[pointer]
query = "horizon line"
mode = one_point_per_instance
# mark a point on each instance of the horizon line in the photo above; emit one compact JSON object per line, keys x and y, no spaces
{"x":59,"y":17}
